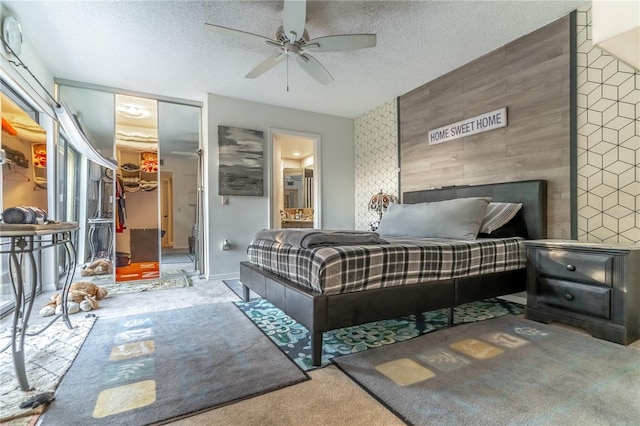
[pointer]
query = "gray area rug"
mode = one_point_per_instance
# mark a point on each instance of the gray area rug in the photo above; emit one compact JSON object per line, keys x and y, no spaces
{"x":157,"y":366}
{"x":506,"y":370}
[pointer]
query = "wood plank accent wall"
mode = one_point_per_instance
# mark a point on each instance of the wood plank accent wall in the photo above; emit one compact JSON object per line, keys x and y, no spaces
{"x":530,"y":76}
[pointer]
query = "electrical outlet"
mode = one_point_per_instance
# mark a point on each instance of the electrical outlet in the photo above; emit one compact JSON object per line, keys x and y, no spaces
{"x":225,"y":245}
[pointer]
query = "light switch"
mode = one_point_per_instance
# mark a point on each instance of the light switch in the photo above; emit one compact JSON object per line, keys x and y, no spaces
{"x":224,"y":200}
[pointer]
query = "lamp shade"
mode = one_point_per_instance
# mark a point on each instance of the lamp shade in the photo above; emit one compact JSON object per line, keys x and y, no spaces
{"x":616,"y":29}
{"x":77,"y":137}
{"x":380,"y":201}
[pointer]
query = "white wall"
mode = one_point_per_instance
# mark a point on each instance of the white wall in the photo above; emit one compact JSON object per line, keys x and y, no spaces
{"x":244,"y":216}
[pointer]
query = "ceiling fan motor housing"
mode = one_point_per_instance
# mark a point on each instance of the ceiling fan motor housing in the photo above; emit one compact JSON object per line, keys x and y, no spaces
{"x":282,"y":38}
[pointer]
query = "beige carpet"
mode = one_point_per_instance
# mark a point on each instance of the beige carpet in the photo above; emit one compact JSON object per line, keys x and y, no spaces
{"x":329,"y":398}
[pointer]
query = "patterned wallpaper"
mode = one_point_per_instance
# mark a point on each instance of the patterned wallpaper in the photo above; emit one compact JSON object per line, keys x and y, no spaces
{"x":608,"y":147}
{"x":608,"y":143}
{"x":376,"y":159}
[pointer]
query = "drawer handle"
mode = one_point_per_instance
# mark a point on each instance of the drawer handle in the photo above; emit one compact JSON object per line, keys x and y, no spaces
{"x":568,"y":296}
{"x":571,"y":268}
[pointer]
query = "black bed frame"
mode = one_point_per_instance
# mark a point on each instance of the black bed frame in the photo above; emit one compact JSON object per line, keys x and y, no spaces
{"x":320,"y":313}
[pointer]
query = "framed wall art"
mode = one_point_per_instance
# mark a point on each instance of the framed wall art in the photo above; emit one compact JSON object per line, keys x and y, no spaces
{"x":241,"y":154}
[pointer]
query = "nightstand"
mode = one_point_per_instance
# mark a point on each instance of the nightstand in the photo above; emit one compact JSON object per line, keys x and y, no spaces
{"x":588,"y":285}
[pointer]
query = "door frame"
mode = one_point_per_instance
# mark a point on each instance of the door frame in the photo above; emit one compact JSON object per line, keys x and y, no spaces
{"x":274,"y":167}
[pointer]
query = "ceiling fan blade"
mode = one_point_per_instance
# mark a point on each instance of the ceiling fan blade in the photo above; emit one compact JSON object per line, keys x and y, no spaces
{"x":315,"y":69}
{"x":266,"y":65}
{"x":237,"y":33}
{"x":294,"y":17}
{"x":339,"y":43}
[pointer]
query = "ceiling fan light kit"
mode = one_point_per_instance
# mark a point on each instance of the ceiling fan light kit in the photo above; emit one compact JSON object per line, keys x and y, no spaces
{"x":292,"y":38}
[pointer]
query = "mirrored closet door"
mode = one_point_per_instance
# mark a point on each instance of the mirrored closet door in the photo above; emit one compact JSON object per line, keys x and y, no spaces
{"x":137,"y":224}
{"x":94,"y":111}
{"x":142,"y":220}
{"x":180,"y":215}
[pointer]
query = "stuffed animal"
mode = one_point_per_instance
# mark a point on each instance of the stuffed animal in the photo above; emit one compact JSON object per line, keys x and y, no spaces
{"x":97,"y":267}
{"x":83,"y":295}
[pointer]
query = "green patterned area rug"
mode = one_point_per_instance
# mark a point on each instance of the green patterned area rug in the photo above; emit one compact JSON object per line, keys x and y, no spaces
{"x":294,"y":339}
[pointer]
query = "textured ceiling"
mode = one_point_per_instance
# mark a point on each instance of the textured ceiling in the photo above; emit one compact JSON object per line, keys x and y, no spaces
{"x":162,"y":48}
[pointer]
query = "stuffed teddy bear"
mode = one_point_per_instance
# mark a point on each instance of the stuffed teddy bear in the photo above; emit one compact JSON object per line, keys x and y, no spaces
{"x":97,"y":267}
{"x":83,"y":295}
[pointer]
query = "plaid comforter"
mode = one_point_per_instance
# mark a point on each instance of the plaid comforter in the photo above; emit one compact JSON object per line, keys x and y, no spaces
{"x":343,"y":269}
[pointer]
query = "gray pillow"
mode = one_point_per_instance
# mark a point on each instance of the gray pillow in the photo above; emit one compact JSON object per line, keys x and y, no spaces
{"x":459,"y":219}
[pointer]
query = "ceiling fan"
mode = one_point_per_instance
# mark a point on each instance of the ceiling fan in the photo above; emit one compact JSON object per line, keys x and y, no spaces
{"x":292,"y":38}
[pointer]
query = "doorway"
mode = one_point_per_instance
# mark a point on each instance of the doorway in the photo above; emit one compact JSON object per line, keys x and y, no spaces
{"x":295,"y":180}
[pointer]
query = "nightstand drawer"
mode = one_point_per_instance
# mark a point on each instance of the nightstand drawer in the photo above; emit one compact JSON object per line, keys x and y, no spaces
{"x":585,"y":299}
{"x":574,"y":266}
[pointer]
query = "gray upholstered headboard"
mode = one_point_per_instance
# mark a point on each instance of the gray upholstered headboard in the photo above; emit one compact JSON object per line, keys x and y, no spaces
{"x":531,"y":193}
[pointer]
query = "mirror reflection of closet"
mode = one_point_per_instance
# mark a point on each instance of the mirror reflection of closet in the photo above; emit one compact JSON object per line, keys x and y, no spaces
{"x":179,"y":151}
{"x":136,"y":209}
{"x":21,"y":183}
{"x":95,"y":113}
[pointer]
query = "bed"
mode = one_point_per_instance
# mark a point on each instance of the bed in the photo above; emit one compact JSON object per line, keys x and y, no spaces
{"x":322,"y":309}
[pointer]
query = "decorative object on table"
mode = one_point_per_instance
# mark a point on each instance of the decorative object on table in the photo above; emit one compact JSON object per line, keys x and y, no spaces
{"x":295,"y":340}
{"x":379,"y":203}
{"x":505,"y":370}
{"x":241,"y":161}
{"x":155,"y":366}
{"x":24,"y":215}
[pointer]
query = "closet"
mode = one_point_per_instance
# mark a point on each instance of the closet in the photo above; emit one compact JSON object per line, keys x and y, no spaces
{"x":133,"y":217}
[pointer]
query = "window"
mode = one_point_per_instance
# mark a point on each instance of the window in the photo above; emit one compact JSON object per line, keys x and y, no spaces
{"x":16,"y":180}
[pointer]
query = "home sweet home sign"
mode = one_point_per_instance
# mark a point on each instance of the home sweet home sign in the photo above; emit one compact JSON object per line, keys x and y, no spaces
{"x":470,"y":126}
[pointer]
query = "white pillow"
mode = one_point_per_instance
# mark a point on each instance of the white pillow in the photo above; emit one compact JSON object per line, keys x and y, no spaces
{"x":459,"y":219}
{"x":498,"y":215}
